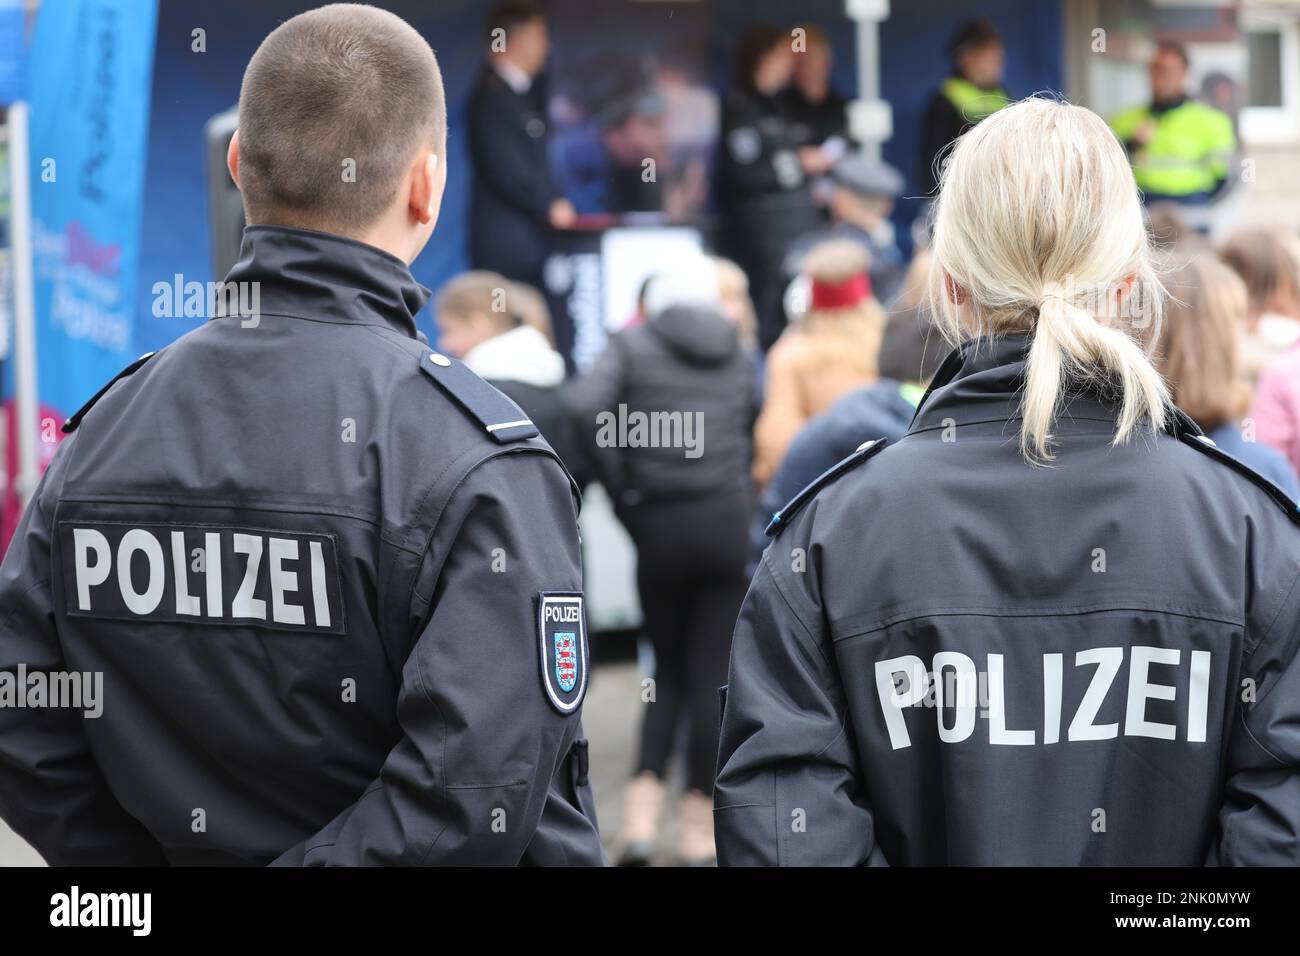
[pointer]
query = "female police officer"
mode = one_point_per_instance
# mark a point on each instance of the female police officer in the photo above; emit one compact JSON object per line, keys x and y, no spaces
{"x":1051,"y":624}
{"x":766,"y":169}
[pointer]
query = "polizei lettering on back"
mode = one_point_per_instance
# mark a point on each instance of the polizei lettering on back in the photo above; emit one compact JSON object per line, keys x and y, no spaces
{"x":1160,"y":692}
{"x":194,"y":574}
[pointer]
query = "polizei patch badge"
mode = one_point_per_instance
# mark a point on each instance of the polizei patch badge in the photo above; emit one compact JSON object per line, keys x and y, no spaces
{"x":562,"y":632}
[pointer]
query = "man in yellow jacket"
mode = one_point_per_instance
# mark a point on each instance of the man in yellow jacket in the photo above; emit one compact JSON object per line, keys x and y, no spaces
{"x":1181,"y":149}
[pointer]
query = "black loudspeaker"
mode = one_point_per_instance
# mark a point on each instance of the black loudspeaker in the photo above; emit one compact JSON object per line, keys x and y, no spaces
{"x":225,"y":207}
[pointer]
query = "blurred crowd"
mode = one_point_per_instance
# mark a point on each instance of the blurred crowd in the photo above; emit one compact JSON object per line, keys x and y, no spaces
{"x":742,"y":379}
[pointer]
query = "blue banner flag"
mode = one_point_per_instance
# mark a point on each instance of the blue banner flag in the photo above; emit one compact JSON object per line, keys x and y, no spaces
{"x":13,"y":19}
{"x":88,"y":80}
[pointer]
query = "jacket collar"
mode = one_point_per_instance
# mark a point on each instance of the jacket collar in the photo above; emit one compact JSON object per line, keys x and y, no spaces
{"x":1161,"y":107}
{"x":315,"y":275}
{"x":981,"y":381}
{"x":517,"y":79}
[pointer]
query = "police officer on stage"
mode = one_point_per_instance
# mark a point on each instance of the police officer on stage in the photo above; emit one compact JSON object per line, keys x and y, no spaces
{"x":1181,"y":150}
{"x":813,"y":101}
{"x":971,"y":92}
{"x":767,"y":170}
{"x":515,"y":198}
{"x":330,"y":578}
{"x":1053,"y":623}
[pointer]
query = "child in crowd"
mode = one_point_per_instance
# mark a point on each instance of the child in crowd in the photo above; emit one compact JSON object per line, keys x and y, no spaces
{"x":1268,"y":260}
{"x":501,"y":330}
{"x":737,"y":306}
{"x":828,"y":351}
{"x":910,"y":353}
{"x":1200,"y":355}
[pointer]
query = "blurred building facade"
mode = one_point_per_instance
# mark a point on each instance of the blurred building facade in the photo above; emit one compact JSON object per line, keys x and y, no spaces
{"x":1245,"y":59}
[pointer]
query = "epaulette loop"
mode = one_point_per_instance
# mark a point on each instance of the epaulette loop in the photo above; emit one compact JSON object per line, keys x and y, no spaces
{"x":70,"y":425}
{"x":1206,"y":446}
{"x":861,"y":454}
{"x":501,"y":418}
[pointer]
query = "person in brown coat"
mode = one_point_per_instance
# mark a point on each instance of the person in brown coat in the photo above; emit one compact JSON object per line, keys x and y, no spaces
{"x":827,"y":352}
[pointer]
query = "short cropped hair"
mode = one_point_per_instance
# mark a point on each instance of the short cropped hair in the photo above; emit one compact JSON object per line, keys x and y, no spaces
{"x":511,"y":14}
{"x":334,"y":106}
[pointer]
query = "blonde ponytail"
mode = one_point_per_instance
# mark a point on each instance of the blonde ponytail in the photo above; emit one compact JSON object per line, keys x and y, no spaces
{"x":1038,"y":230}
{"x":1071,"y":345}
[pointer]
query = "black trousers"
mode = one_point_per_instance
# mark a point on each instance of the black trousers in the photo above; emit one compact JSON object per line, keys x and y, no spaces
{"x":691,"y":578}
{"x":764,"y":229}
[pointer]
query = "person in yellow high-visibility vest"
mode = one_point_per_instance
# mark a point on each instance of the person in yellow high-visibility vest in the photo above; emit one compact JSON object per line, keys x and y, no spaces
{"x":1181,"y":149}
{"x":972,"y":92}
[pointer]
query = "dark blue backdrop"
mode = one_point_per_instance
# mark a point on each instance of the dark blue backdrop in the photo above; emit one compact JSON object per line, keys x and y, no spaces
{"x":189,"y":87}
{"x":912,"y":64}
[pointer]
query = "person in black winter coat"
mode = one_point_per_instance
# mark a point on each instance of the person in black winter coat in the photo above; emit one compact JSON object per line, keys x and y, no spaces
{"x":814,"y":102}
{"x":669,"y":408}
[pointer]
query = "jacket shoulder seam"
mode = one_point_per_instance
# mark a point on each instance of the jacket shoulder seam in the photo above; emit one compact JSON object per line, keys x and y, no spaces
{"x":1268,"y":631}
{"x":795,"y":614}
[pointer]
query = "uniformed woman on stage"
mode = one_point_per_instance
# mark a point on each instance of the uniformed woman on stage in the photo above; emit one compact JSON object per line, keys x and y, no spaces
{"x":767,"y":170}
{"x":1053,"y":624}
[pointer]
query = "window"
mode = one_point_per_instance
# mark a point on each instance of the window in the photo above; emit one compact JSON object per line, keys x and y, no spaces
{"x":1272,"y":110}
{"x":1264,"y":67}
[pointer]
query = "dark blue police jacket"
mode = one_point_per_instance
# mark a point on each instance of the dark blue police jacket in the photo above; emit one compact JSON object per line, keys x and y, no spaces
{"x":513,"y":187}
{"x":949,"y":656}
{"x":331,"y":581}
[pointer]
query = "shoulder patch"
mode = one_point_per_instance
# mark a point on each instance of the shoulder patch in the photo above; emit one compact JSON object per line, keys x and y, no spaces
{"x":500,"y":417}
{"x":795,"y":504}
{"x":71,"y":424}
{"x":562,"y":637}
{"x":745,"y":144}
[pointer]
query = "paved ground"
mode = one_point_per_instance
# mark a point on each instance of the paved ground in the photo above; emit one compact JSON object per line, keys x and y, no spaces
{"x":612,"y":717}
{"x":14,"y":851}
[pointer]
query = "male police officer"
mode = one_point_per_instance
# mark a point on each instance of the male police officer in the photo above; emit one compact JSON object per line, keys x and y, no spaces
{"x":330,"y":577}
{"x":1180,"y":149}
{"x":515,"y":197}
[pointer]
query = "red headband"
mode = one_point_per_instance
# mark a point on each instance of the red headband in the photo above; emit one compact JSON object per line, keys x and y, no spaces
{"x":840,"y":295}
